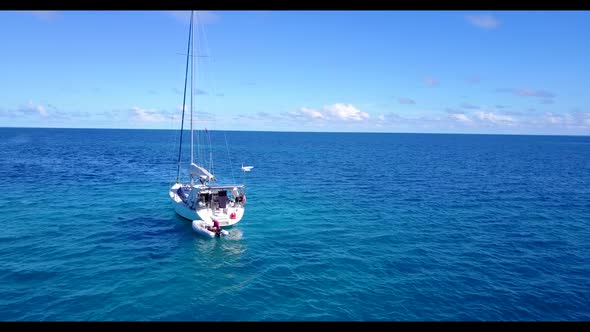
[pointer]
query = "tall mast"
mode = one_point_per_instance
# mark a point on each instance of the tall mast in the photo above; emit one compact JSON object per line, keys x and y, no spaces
{"x":184,"y":98}
{"x":192,"y":87}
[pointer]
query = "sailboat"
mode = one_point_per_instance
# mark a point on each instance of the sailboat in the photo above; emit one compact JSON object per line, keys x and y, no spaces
{"x":202,"y":199}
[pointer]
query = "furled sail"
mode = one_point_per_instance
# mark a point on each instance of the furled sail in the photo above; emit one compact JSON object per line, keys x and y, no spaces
{"x":202,"y":173}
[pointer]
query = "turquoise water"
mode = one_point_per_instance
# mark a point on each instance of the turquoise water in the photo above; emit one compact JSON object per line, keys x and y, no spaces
{"x":347,"y":227}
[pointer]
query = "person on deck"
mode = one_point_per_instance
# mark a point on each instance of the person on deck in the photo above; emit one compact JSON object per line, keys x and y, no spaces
{"x":241,"y":199}
{"x":215,"y":228}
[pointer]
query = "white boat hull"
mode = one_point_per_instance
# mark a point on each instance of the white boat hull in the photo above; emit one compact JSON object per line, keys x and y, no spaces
{"x":223,"y":216}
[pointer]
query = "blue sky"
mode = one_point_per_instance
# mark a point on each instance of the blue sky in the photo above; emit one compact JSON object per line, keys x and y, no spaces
{"x":508,"y":72}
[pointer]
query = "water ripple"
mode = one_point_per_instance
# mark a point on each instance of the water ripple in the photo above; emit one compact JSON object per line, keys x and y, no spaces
{"x":417,"y":227}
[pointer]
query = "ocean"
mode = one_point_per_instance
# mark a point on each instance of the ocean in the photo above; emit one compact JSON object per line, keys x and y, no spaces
{"x":338,"y":227}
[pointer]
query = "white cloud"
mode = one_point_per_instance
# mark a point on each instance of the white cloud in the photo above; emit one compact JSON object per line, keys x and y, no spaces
{"x":489,"y":120}
{"x":483,"y":21}
{"x":346,"y":112}
{"x":494,"y":118}
{"x":42,"y":111}
{"x":308,"y":112}
{"x":35,"y":108}
{"x":148,"y":115}
{"x":553,"y":118}
{"x":574,"y":120}
{"x":570,"y":120}
{"x":28,"y":110}
{"x":335,"y":112}
{"x":460,"y":117}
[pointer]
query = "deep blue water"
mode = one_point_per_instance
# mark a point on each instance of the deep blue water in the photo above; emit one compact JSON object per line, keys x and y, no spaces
{"x":347,"y":227}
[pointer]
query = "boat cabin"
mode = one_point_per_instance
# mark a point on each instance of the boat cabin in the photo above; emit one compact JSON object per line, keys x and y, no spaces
{"x":220,"y":197}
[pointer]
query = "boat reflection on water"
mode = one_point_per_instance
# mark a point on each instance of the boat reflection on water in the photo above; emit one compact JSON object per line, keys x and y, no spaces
{"x":222,"y":251}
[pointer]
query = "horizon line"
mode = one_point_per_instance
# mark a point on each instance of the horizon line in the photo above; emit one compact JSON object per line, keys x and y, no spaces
{"x":307,"y":132}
